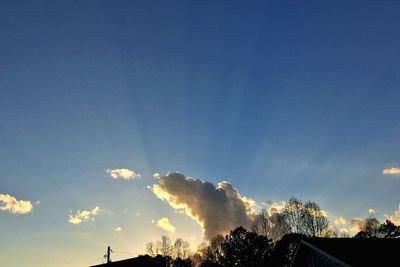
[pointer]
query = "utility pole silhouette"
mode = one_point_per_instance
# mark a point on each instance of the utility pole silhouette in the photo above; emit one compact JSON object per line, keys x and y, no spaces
{"x":108,"y":255}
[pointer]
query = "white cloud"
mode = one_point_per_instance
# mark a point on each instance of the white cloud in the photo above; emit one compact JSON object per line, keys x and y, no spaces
{"x":83,"y":216}
{"x":11,"y":204}
{"x":395,"y":217}
{"x":118,"y":229}
{"x":217,"y":209}
{"x":391,"y":171}
{"x":125,"y":174}
{"x":164,"y":223}
{"x":341,"y":221}
{"x":156,"y":175}
{"x":371,"y":212}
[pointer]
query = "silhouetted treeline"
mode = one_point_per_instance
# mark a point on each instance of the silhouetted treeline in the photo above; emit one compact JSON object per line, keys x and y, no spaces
{"x":373,"y":229}
{"x":295,"y":217}
{"x":240,"y":248}
{"x":164,"y":247}
{"x":271,"y":241}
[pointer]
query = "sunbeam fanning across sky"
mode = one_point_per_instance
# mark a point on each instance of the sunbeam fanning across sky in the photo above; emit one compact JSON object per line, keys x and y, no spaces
{"x":122,"y":121}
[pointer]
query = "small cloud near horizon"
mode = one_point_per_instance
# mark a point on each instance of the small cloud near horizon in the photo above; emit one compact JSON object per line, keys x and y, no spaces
{"x":118,"y":229}
{"x":275,"y":206}
{"x":372,"y":212}
{"x":350,"y":226}
{"x":341,"y":221}
{"x":12,"y":205}
{"x":391,"y":171}
{"x":83,"y":216}
{"x":344,"y":231}
{"x":166,"y":225}
{"x":357,"y":225}
{"x":395,"y":217}
{"x":125,"y":174}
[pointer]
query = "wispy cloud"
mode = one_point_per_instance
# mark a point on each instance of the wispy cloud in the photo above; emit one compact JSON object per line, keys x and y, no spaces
{"x":217,"y":209}
{"x":118,"y":229}
{"x":165,"y":224}
{"x":11,"y":204}
{"x":83,"y":216}
{"x":125,"y":174}
{"x":391,"y":171}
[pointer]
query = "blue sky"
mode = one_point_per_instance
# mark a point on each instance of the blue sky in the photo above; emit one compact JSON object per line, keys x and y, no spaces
{"x":279,"y":98}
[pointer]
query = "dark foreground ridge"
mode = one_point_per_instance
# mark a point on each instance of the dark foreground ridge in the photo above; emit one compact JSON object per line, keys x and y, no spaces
{"x":145,"y":260}
{"x":344,"y":252}
{"x":316,"y":252}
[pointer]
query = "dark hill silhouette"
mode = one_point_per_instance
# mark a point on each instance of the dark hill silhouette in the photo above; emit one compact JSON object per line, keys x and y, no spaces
{"x":299,"y":235}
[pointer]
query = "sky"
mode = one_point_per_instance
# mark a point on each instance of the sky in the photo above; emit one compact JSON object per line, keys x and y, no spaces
{"x":106,"y":107}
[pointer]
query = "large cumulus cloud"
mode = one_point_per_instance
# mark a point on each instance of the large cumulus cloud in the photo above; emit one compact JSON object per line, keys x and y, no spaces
{"x":218,"y":209}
